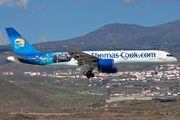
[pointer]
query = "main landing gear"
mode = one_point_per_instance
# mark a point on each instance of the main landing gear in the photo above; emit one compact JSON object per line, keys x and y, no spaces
{"x":88,"y":74}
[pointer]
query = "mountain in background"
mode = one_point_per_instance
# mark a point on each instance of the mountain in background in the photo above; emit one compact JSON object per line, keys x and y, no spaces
{"x":124,"y":36}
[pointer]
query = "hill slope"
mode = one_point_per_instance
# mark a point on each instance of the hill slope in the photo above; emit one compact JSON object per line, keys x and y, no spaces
{"x":34,"y":95}
{"x":14,"y":96}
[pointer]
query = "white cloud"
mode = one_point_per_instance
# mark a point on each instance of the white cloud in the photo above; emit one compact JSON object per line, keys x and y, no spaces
{"x":43,"y":38}
{"x":3,"y":39}
{"x":11,"y":3}
{"x":23,"y":3}
{"x":6,"y":2}
{"x":41,"y":7}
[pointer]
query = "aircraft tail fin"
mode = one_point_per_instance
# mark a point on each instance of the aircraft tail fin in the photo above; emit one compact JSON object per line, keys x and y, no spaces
{"x":19,"y":44}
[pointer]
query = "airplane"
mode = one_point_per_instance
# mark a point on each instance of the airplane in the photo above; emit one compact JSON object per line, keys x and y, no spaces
{"x":104,"y":61}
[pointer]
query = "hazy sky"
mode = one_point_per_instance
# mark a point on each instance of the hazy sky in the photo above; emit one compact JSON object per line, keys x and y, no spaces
{"x":52,"y":20}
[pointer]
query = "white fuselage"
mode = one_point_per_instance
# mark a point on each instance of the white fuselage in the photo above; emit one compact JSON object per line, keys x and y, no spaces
{"x":133,"y":57}
{"x":156,"y":57}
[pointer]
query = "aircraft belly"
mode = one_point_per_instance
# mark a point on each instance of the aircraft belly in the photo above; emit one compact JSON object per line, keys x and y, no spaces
{"x":138,"y":61}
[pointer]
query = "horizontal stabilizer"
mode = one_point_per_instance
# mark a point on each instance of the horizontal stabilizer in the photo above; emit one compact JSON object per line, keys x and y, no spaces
{"x":16,"y":56}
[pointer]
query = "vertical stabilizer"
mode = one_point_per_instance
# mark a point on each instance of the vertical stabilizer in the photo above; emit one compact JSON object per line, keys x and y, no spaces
{"x":19,"y":44}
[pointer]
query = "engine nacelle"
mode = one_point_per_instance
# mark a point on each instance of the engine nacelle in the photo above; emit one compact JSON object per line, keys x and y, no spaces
{"x":104,"y":63}
{"x":108,"y":70}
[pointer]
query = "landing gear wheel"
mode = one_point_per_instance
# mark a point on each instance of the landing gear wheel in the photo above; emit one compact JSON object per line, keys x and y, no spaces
{"x":85,"y":73}
{"x":156,"y":70}
{"x":92,"y":75}
{"x":88,"y":74}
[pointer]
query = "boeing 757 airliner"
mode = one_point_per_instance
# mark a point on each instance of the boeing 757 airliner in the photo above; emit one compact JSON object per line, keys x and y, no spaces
{"x":103,"y":60}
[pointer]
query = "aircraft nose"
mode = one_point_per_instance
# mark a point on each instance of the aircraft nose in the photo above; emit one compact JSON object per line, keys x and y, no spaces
{"x":174,"y":59}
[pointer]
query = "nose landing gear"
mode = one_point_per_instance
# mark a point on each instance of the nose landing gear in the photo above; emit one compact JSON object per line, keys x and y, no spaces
{"x":156,"y":70}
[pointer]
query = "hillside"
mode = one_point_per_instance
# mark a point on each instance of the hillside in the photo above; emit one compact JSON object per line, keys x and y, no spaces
{"x":14,"y":96}
{"x":34,"y":95}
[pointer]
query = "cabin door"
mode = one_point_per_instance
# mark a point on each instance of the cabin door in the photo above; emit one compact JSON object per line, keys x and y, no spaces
{"x":159,"y":56}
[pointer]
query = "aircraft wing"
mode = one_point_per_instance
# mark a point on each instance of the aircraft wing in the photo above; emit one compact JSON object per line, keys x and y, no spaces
{"x":81,"y":57}
{"x":16,"y":56}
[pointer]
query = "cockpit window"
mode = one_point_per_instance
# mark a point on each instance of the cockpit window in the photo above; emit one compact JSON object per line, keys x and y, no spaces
{"x":169,"y":55}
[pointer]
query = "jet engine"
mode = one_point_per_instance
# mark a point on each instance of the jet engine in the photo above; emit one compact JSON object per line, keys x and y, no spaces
{"x":104,"y":63}
{"x":108,"y":70}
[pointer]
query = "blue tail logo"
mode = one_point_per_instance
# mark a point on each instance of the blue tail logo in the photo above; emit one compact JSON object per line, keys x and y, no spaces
{"x":19,"y":43}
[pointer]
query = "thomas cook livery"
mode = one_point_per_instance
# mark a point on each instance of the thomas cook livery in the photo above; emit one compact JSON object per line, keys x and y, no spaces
{"x":19,"y":43}
{"x":104,"y":61}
